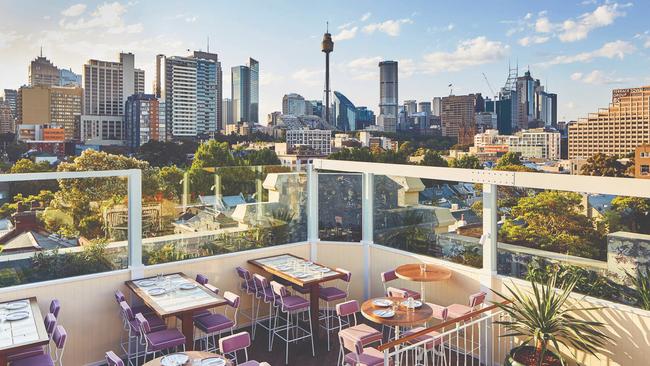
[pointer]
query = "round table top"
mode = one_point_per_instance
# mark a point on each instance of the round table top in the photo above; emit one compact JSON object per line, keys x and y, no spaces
{"x":403,"y":316}
{"x":413,"y":272}
{"x":191,"y":354}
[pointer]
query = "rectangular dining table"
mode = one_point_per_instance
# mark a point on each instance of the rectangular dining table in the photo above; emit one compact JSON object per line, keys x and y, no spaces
{"x":176,"y":301}
{"x":274,"y":264}
{"x":18,"y":335}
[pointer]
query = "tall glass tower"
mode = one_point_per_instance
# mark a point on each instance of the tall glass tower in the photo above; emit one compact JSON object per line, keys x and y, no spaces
{"x":241,"y":93}
{"x":253,"y":113}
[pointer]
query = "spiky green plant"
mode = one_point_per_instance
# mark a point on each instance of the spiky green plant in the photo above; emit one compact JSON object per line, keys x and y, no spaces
{"x":642,"y":284}
{"x":545,"y":321}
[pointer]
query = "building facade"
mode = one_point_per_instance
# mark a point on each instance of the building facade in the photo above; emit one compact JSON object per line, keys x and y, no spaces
{"x":344,"y":112}
{"x":388,"y":95}
{"x":43,"y":72}
{"x":68,"y":78}
{"x":55,"y":106}
{"x":294,"y":104}
{"x":529,"y":144}
{"x":458,"y":116}
{"x":7,"y":122}
{"x":642,"y":162}
{"x":615,"y":130}
{"x":318,"y":140}
{"x":226,"y":111}
{"x":245,"y":92}
{"x":141,"y":120}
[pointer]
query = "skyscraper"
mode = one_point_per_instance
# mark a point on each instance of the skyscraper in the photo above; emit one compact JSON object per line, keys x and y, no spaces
{"x":245,"y":92}
{"x":6,"y":118}
{"x":43,"y":72}
{"x":294,"y":104}
{"x":54,"y":106}
{"x":226,"y":111}
{"x":436,"y":106}
{"x":345,"y":113}
{"x":457,"y":118}
{"x":253,"y":113}
{"x":141,"y":120}
{"x":68,"y":78}
{"x":388,"y":95}
{"x":10,"y":97}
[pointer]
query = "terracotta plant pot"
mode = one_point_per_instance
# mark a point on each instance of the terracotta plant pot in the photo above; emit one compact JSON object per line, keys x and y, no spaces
{"x":522,"y":356}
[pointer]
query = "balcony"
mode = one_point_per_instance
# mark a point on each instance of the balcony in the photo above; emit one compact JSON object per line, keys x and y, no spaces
{"x":366,"y":218}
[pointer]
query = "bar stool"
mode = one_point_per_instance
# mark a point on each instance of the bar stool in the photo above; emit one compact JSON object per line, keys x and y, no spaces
{"x":435,"y":344}
{"x":264,"y":293}
{"x":360,"y":355}
{"x":292,"y":306}
{"x":119,"y":297}
{"x":113,"y":360}
{"x":215,"y":324}
{"x":247,"y":287}
{"x":231,"y":344}
{"x":390,"y":276}
{"x":59,"y":337}
{"x":328,"y":295}
{"x":158,"y":340}
{"x":134,"y":335}
{"x":55,"y":307}
{"x":362,"y":332}
{"x":475,"y":301}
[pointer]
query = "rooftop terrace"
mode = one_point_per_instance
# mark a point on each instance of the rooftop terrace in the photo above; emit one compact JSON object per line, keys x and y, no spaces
{"x":365,"y":218}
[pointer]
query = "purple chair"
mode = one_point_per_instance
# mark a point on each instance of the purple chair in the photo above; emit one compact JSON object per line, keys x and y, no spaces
{"x":475,"y":301}
{"x":247,"y":287}
{"x":50,"y":325}
{"x":59,"y":338}
{"x":360,"y":355}
{"x":215,"y":324}
{"x":231,"y":344}
{"x":292,"y":307}
{"x":134,"y":336}
{"x":331,"y":294}
{"x":55,"y":307}
{"x":389,"y":276}
{"x":361,"y":332}
{"x":202,"y":280}
{"x":264,"y":292}
{"x":119,"y":297}
{"x":113,"y":360}
{"x":158,"y":340}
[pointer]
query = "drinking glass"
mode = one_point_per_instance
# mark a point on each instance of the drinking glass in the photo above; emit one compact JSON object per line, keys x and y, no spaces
{"x":423,"y":267}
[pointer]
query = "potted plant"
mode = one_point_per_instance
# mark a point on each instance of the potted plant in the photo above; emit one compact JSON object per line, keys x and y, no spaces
{"x":544,"y":321}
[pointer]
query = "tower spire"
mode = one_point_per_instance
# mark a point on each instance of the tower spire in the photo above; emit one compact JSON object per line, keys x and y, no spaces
{"x":41,"y":50}
{"x":208,"y":44}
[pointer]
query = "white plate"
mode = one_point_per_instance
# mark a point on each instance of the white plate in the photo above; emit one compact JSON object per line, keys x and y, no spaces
{"x":382,"y":302}
{"x":18,"y":315}
{"x":301,"y":275}
{"x":416,"y":304}
{"x":188,"y":286}
{"x":387,"y":313}
{"x":213,"y":361}
{"x":15,"y":305}
{"x":324,"y":270}
{"x":156,"y":291}
{"x":175,"y":359}
{"x":146,"y":283}
{"x":283,"y":268}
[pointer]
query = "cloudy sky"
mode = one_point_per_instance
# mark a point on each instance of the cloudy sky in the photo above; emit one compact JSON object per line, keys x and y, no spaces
{"x":579,"y":49}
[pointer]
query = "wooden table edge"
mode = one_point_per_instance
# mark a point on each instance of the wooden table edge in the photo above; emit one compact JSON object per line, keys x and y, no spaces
{"x":43,"y":337}
{"x":292,"y":279}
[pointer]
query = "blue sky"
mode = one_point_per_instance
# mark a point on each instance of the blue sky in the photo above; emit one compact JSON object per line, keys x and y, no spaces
{"x":580,"y":49}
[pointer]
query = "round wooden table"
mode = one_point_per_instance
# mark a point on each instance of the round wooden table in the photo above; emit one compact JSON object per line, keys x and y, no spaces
{"x":431,"y":273}
{"x":192,"y":355}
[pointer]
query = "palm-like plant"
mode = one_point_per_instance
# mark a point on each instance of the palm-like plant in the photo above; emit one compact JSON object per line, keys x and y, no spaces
{"x":642,"y":284}
{"x":545,"y":321}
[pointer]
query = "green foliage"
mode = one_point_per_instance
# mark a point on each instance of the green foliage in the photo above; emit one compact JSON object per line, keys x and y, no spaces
{"x":162,"y":154}
{"x":49,"y":265}
{"x":28,"y":166}
{"x":466,"y":162}
{"x":545,"y":321}
{"x":508,"y":159}
{"x":43,"y":198}
{"x":170,"y":178}
{"x":554,"y":221}
{"x":604,"y":165}
{"x":262,"y":157}
{"x":368,"y":155}
{"x":91,"y":226}
{"x":407,"y":232}
{"x":629,"y":214}
{"x":167,"y":253}
{"x":31,"y":187}
{"x":433,"y":158}
{"x":641,"y":283}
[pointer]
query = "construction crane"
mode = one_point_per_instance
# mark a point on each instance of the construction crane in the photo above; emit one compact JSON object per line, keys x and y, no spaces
{"x":489,"y":86}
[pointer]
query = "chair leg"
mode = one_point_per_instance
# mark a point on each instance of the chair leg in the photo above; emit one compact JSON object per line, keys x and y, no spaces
{"x":286,"y":347}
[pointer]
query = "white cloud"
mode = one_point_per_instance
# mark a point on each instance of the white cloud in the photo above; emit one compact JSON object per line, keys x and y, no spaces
{"x":7,"y":38}
{"x":308,"y":76}
{"x":528,"y":16}
{"x":108,"y":16}
{"x":392,"y":27}
{"x":597,"y":77}
{"x":468,"y":53}
{"x":450,"y":26}
{"x":604,"y":15}
{"x":363,"y":68}
{"x":345,"y":25}
{"x":365,"y":16}
{"x":74,"y":11}
{"x":617,"y":49}
{"x":543,"y":25}
{"x":529,"y":40}
{"x":345,"y":34}
{"x":644,"y":37}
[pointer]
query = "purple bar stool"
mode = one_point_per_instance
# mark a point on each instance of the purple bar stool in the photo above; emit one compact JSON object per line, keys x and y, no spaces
{"x":119,"y":297}
{"x":134,"y":335}
{"x":231,"y":344}
{"x":435,"y":344}
{"x":328,"y":295}
{"x":59,"y":337}
{"x":264,"y":293}
{"x":158,"y":340}
{"x":292,"y":306}
{"x":390,"y":276}
{"x":215,"y":324}
{"x":247,"y":287}
{"x":203,"y":281}
{"x":360,"y":355}
{"x":347,"y":313}
{"x":113,"y":360}
{"x":50,"y":325}
{"x":55,"y":307}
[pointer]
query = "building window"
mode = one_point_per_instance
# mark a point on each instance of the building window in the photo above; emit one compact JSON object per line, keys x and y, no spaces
{"x":645,"y":169}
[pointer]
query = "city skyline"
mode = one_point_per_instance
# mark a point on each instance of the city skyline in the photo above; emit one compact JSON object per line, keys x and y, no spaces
{"x":587,"y":46}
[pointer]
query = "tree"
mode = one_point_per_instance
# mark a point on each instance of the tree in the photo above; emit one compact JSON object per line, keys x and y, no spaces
{"x":407,"y":148}
{"x":28,"y":166}
{"x":31,"y":187}
{"x":604,"y":166}
{"x":262,"y":157}
{"x":508,"y":159}
{"x":170,"y":178}
{"x":466,"y":162}
{"x":630,"y":214}
{"x":354,"y":154}
{"x":209,"y":156}
{"x":433,"y":158}
{"x":554,"y":221}
{"x":160,"y":153}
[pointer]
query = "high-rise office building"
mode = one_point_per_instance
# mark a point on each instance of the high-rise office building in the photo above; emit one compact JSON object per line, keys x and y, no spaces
{"x":457,"y":116}
{"x":388,"y":96}
{"x":364,"y":118}
{"x":226,"y":111}
{"x":6,"y":118}
{"x":615,"y":130}
{"x":436,"y":106}
{"x":345,"y":113}
{"x":10,"y":97}
{"x":43,"y":72}
{"x":191,"y":89}
{"x":294,"y":104}
{"x":141,"y":120}
{"x":68,"y":78}
{"x":54,"y":106}
{"x":107,"y":85}
{"x":410,"y":106}
{"x":315,"y":108}
{"x":245,"y":92}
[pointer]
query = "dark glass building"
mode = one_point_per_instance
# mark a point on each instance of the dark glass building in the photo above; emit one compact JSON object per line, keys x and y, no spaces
{"x":345,"y":113}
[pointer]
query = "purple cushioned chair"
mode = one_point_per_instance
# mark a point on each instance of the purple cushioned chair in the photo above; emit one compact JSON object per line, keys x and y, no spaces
{"x":134,"y":336}
{"x":55,"y":307}
{"x":50,"y":324}
{"x":59,"y":338}
{"x":113,"y":360}
{"x":158,"y":340}
{"x":231,"y":344}
{"x":119,"y":297}
{"x":215,"y":324}
{"x":360,"y":355}
{"x":390,"y":276}
{"x":329,"y":295}
{"x":292,"y":306}
{"x":202,"y":280}
{"x":475,"y":301}
{"x":263,"y":292}
{"x":355,"y":331}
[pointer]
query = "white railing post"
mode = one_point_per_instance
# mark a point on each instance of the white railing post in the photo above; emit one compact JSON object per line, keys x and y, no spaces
{"x":135,"y":222}
{"x":367,"y":231}
{"x":489,"y":241}
{"x":312,"y":211}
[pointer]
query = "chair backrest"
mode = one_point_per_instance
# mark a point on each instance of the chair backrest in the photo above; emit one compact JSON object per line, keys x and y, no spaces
{"x":119,"y":296}
{"x":143,"y":323}
{"x":245,"y":276}
{"x":348,"y":274}
{"x":59,"y":338}
{"x":55,"y":307}
{"x":352,"y":344}
{"x":279,"y":289}
{"x":265,"y":364}
{"x":127,"y":312}
{"x":347,"y":308}
{"x":388,"y":276}
{"x":232,"y":298}
{"x":260,"y":282}
{"x":397,"y":292}
{"x":439,"y":312}
{"x":202,"y":279}
{"x":212,"y":288}
{"x":235,"y":342}
{"x":50,"y":323}
{"x":113,"y":360}
{"x":477,"y":299}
